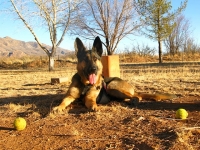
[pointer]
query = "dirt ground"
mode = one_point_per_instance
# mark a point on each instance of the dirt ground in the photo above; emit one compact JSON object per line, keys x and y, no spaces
{"x":150,"y":125}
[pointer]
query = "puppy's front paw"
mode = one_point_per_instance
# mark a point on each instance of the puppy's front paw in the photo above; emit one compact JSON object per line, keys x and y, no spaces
{"x":93,"y":108}
{"x":58,"y":110}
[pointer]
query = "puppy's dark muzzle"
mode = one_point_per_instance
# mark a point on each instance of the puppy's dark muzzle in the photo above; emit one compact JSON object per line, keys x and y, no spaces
{"x":92,"y":69}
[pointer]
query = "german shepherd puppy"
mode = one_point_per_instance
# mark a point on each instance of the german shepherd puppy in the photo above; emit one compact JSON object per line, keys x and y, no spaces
{"x":89,"y":85}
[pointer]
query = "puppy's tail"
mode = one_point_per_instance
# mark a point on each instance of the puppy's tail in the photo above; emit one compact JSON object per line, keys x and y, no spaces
{"x":157,"y":96}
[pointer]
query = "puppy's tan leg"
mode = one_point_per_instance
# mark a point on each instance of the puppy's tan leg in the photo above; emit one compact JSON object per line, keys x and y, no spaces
{"x":72,"y":94}
{"x":66,"y":102}
{"x":90,"y":99}
{"x":120,"y":89}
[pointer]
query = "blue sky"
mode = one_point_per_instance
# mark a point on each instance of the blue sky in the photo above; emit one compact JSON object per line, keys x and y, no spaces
{"x":16,"y":30}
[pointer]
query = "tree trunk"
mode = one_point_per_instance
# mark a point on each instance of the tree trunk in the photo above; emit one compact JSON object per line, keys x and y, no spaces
{"x":160,"y":51}
{"x":51,"y":63}
{"x":108,"y":47}
{"x":109,"y":52}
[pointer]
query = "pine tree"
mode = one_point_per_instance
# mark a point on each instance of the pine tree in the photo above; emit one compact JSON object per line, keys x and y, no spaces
{"x":158,"y":19}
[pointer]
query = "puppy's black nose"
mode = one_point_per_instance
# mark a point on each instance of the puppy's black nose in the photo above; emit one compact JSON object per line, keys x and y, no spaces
{"x":93,"y":68}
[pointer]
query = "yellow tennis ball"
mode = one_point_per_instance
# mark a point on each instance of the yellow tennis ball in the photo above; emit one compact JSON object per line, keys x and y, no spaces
{"x":20,"y":123}
{"x":181,"y":114}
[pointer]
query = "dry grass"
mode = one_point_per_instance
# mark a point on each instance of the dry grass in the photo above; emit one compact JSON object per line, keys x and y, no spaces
{"x":181,"y":57}
{"x":180,"y":80}
{"x":35,"y":62}
{"x":184,"y":81}
{"x":116,"y":126}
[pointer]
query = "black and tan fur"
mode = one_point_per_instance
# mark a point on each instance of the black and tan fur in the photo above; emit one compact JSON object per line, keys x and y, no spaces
{"x":88,"y":81}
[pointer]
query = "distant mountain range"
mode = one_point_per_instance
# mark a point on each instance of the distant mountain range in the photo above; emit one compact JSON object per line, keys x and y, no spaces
{"x":15,"y":48}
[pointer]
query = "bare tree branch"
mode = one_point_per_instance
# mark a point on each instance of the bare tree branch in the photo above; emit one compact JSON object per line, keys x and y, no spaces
{"x":180,"y":35}
{"x":30,"y":29}
{"x":111,"y":19}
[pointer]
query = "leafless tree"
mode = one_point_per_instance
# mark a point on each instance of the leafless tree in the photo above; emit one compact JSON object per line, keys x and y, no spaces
{"x":179,"y":36}
{"x":110,"y":19}
{"x":53,"y":15}
{"x":143,"y":50}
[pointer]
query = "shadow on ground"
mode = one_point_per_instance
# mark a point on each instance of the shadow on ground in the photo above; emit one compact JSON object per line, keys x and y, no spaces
{"x":190,"y":106}
{"x":43,"y":104}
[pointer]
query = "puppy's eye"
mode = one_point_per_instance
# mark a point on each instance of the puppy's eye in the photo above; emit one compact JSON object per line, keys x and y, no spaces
{"x":95,"y":58}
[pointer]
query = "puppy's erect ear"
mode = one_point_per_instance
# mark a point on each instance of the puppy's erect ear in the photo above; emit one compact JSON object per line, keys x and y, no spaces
{"x":79,"y":47}
{"x":97,"y":46}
